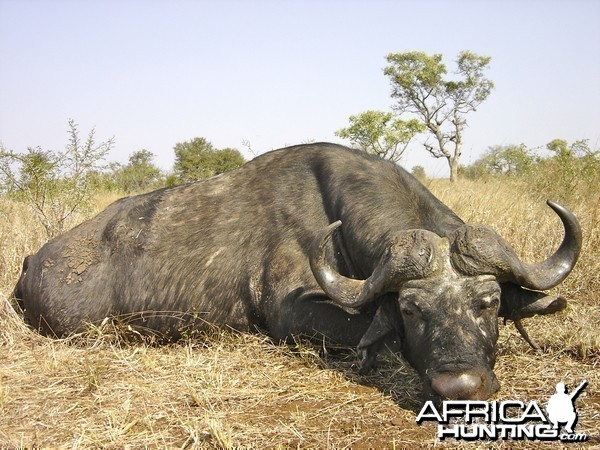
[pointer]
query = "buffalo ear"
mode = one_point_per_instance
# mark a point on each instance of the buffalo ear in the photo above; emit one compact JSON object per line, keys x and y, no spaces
{"x":385,"y":323}
{"x":518,"y":303}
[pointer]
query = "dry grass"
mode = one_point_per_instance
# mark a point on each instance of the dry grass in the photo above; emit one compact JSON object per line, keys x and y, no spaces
{"x":237,"y":390}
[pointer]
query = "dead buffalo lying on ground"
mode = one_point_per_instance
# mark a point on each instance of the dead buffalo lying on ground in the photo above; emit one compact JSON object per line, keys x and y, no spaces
{"x":309,"y":240}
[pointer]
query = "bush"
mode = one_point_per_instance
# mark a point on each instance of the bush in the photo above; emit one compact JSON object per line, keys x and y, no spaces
{"x":54,"y":184}
{"x":139,"y":175}
{"x":198,"y":159}
{"x":568,"y":173}
{"x":571,"y":174}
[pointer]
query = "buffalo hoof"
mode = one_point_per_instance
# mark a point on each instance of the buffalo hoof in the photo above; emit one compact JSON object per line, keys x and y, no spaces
{"x":368,"y":360}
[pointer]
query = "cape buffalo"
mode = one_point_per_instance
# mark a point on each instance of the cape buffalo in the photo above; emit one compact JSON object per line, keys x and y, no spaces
{"x":316,"y":240}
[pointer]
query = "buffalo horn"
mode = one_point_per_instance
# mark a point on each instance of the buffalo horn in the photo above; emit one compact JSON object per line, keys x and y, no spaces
{"x":477,"y":250}
{"x":409,"y":257}
{"x":554,"y":270}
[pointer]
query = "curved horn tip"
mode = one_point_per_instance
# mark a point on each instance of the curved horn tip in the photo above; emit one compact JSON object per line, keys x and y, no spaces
{"x":347,"y":292}
{"x":567,"y":217}
{"x":556,"y":206}
{"x":554,"y":270}
{"x":562,"y":210}
{"x":328,"y":231}
{"x":321,"y":240}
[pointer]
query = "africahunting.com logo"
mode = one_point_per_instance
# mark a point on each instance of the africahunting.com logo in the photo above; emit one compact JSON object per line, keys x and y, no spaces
{"x":473,"y":419}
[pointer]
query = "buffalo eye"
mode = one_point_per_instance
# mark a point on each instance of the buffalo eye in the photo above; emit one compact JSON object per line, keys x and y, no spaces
{"x":412,"y":311}
{"x":412,"y":307}
{"x":490,"y":302}
{"x":407,"y":312}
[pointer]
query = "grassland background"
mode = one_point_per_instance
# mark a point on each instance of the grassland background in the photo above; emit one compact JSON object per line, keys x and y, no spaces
{"x":239,"y":390}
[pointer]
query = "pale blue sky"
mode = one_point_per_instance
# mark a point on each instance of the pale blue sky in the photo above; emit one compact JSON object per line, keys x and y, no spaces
{"x":276,"y":73}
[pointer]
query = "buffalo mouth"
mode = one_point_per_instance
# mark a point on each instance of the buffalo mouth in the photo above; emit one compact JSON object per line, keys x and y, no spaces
{"x":468,"y":384}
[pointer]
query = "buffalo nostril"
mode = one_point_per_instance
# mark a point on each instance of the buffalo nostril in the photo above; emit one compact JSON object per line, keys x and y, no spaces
{"x":462,"y":386}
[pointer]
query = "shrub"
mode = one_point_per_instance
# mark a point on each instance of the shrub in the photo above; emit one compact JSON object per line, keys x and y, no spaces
{"x":54,"y":184}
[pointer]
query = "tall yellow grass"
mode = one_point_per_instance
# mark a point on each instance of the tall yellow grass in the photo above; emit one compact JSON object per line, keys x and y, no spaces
{"x":237,"y":390}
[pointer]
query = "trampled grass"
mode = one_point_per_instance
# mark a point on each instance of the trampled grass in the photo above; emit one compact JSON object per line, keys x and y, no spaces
{"x":238,"y":390}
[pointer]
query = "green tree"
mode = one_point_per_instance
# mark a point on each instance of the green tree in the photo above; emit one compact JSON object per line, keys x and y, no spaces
{"x":381,"y":133}
{"x":198,"y":159}
{"x":192,"y":159}
{"x":140,"y":174}
{"x":420,"y":87}
{"x":226,"y":159}
{"x":55,"y":184}
{"x":506,"y":160}
{"x":577,"y":149}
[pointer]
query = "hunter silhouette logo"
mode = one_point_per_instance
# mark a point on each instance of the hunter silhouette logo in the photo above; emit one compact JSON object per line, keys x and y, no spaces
{"x":510,"y":419}
{"x":561,"y":406}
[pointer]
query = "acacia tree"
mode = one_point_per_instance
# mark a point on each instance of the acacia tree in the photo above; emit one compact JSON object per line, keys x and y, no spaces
{"x":381,"y":133}
{"x":420,"y":87}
